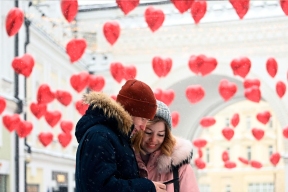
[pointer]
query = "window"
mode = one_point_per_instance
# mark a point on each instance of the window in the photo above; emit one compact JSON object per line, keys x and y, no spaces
{"x":32,"y":188}
{"x":204,"y":188}
{"x":270,"y":123}
{"x":207,"y":155}
{"x":228,"y":188}
{"x":227,"y":122}
{"x":270,"y":150}
{"x":260,"y":187}
{"x":3,"y":183}
{"x":248,"y":122}
{"x":248,"y":153}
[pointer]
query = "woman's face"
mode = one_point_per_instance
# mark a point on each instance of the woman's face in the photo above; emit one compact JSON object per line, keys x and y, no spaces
{"x":153,"y":137}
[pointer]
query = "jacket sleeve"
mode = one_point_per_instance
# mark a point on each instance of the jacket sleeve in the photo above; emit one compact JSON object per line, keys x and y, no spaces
{"x":98,"y":168}
{"x":188,"y":182}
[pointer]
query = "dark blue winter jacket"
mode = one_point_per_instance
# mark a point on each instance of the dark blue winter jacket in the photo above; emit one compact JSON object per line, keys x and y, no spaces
{"x":105,"y":160}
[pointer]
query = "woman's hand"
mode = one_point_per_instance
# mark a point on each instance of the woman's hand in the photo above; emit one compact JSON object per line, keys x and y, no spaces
{"x":160,"y":187}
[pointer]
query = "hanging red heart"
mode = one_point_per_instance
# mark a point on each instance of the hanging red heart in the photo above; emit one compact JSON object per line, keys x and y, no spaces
{"x":117,"y":71}
{"x":158,"y":94}
{"x":64,"y":139}
{"x":52,"y":117}
{"x":229,"y":164}
{"x":161,"y":66}
{"x":44,"y":94}
{"x":285,"y":132}
{"x":253,"y":94}
{"x":81,"y":107}
{"x":114,"y":97}
{"x":199,"y":143}
{"x":167,"y":96}
{"x":200,"y":153}
{"x":24,"y":129}
{"x":280,"y":89}
{"x":257,"y":133}
{"x":227,"y":89}
{"x":182,"y":5}
{"x":175,"y":118}
{"x":23,"y":65}
{"x":207,"y":122}
{"x":129,"y":72}
{"x":256,"y":164}
{"x":241,"y":66}
{"x":2,"y":104}
{"x":38,"y":110}
{"x":69,"y":9}
{"x":274,"y":158}
{"x":154,"y":18}
{"x":263,"y":117}
{"x":272,"y":66}
{"x":202,"y":65}
{"x":243,"y":160}
{"x":225,"y":156}
{"x":200,"y":164}
{"x":96,"y":83}
{"x":235,"y":120}
{"x":127,"y":6}
{"x":111,"y":30}
{"x":64,"y":97}
{"x":198,"y":10}
{"x":284,"y":6}
{"x":45,"y":138}
{"x":66,"y":126}
{"x":195,"y":93}
{"x":251,"y":82}
{"x":11,"y":122}
{"x":228,"y":133}
{"x":14,"y":21}
{"x":75,"y":48}
{"x":241,"y":7}
{"x":79,"y":81}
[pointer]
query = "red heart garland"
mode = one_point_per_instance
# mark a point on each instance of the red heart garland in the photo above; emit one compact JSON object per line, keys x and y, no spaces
{"x":229,"y":164}
{"x":241,"y":7}
{"x":199,"y":143}
{"x":200,"y":164}
{"x":129,"y":72}
{"x":166,"y":96}
{"x":75,"y":48}
{"x":285,"y":132}
{"x":66,"y":126}
{"x":64,"y":139}
{"x":64,"y":97}
{"x":69,"y":9}
{"x":2,"y":104}
{"x":52,"y":117}
{"x":44,"y":94}
{"x":161,"y":66}
{"x":117,"y":71}
{"x":280,"y":89}
{"x":182,"y":5}
{"x":11,"y":122}
{"x":263,"y":117}
{"x":207,"y":122}
{"x":227,"y":89}
{"x":127,"y":6}
{"x":45,"y":138}
{"x":274,"y":158}
{"x":251,"y":82}
{"x":256,"y":164}
{"x":14,"y":21}
{"x":154,"y":18}
{"x":195,"y":93}
{"x":284,"y":6}
{"x":225,"y":156}
{"x":38,"y":110}
{"x":228,"y":133}
{"x":79,"y":81}
{"x":81,"y":107}
{"x":96,"y":83}
{"x":235,"y":120}
{"x":198,"y":10}
{"x":272,"y":66}
{"x":241,"y":66}
{"x":23,"y":65}
{"x":111,"y":30}
{"x":24,"y":129}
{"x":258,"y":133}
{"x":202,"y":64}
{"x":253,"y":94}
{"x":200,"y":153}
{"x":175,"y":118}
{"x":243,"y":160}
{"x":158,"y":94}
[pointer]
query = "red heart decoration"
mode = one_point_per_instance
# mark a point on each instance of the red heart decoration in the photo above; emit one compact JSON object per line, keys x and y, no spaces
{"x":280,"y":88}
{"x":154,"y":18}
{"x":14,"y":21}
{"x":66,"y":126}
{"x":202,"y":64}
{"x":227,"y":89}
{"x":229,"y":164}
{"x":38,"y":110}
{"x":243,"y":160}
{"x":127,"y":6}
{"x":111,"y":30}
{"x":45,"y":138}
{"x":199,"y":143}
{"x":263,"y":117}
{"x":64,"y":97}
{"x":198,"y":10}
{"x":96,"y":83}
{"x":129,"y":72}
{"x":272,"y":66}
{"x":284,"y":6}
{"x":24,"y":129}
{"x":225,"y":156}
{"x":52,"y":117}
{"x":117,"y":71}
{"x":253,"y":94}
{"x":258,"y":133}
{"x":158,"y":94}
{"x":23,"y":65}
{"x":64,"y":139}
{"x":167,"y":96}
{"x":195,"y":93}
{"x":285,"y":132}
{"x":114,"y":97}
{"x":207,"y":121}
{"x":81,"y":107}
{"x":2,"y":104}
{"x":274,"y":158}
{"x":200,"y":164}
{"x":256,"y":164}
{"x":182,"y":5}
{"x":75,"y":48}
{"x":241,"y":66}
{"x":69,"y":9}
{"x":200,"y":153}
{"x":161,"y":66}
{"x":235,"y":120}
{"x":79,"y":81}
{"x":11,"y":122}
{"x":44,"y":94}
{"x":251,"y":82}
{"x":228,"y":133}
{"x":241,"y":7}
{"x":175,"y":118}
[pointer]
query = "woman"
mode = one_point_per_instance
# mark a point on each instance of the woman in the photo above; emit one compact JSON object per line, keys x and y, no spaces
{"x":158,"y":151}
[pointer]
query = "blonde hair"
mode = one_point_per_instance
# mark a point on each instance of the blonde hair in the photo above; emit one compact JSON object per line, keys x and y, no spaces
{"x":168,"y":143}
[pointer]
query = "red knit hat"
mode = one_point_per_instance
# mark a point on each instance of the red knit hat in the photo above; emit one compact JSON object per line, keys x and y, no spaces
{"x":138,"y":99}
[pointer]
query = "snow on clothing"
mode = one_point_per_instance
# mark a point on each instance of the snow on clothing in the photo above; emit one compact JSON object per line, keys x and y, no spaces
{"x":159,"y":166}
{"x":105,"y":160}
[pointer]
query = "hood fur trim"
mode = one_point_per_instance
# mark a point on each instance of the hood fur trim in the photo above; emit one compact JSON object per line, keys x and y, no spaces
{"x":111,"y":108}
